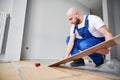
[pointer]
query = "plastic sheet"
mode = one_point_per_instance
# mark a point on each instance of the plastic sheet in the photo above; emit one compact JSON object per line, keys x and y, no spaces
{"x":112,"y":66}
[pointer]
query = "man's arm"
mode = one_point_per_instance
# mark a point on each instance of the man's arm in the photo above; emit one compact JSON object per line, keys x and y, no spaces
{"x":108,"y":35}
{"x":70,"y":45}
{"x":105,"y":31}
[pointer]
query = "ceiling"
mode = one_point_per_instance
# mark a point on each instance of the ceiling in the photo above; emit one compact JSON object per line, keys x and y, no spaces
{"x":92,"y":4}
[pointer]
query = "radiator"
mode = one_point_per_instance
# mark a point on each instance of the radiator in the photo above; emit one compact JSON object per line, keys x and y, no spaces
{"x":3,"y":21}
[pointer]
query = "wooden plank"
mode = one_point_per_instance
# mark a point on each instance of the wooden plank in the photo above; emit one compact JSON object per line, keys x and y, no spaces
{"x":106,"y":44}
{"x":41,"y":73}
{"x":30,"y":72}
{"x":7,"y":72}
{"x":56,"y":73}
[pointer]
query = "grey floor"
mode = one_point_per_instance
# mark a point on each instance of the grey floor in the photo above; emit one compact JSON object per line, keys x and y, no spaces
{"x":109,"y":68}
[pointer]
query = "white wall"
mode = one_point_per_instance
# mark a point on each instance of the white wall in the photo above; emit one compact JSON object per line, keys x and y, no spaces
{"x":6,"y":5}
{"x":17,"y":10}
{"x":46,"y":28}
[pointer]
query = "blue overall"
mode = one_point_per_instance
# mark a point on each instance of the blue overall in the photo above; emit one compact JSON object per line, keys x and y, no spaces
{"x":87,"y":41}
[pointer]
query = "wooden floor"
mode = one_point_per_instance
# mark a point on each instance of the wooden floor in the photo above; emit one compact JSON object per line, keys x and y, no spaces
{"x":25,"y":70}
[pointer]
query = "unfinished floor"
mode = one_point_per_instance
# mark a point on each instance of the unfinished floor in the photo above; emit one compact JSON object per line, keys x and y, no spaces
{"x":25,"y":70}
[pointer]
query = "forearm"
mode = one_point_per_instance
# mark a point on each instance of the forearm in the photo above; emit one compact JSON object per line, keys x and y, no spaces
{"x":69,"y":48}
{"x":108,"y":36}
{"x":105,"y":51}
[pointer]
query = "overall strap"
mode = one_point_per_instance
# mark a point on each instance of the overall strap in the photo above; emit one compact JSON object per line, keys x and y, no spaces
{"x":86,"y":20}
{"x":74,"y":29}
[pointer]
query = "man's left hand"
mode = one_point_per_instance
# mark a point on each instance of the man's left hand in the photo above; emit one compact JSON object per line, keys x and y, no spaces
{"x":104,"y":51}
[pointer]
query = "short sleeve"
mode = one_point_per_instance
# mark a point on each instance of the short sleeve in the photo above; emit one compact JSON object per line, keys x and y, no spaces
{"x":97,"y":22}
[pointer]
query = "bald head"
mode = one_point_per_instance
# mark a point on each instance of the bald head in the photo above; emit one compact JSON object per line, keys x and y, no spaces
{"x":72,"y":11}
{"x":74,"y":16}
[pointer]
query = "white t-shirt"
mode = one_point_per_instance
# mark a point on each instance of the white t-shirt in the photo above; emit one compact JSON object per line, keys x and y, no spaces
{"x":95,"y":23}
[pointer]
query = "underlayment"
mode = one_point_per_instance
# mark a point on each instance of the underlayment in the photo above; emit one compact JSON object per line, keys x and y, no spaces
{"x":109,"y":68}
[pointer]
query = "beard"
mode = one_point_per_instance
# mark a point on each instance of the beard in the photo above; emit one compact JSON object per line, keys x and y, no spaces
{"x":77,"y":21}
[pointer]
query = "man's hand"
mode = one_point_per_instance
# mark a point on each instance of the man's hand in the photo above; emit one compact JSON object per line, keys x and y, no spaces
{"x":103,"y":51}
{"x":64,"y":57}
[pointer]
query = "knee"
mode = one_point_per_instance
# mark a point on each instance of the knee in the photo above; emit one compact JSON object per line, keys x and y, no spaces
{"x":67,"y":39}
{"x":84,"y":45}
{"x":95,"y":55}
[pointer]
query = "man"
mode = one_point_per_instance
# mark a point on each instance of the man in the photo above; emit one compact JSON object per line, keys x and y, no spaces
{"x":91,"y":30}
